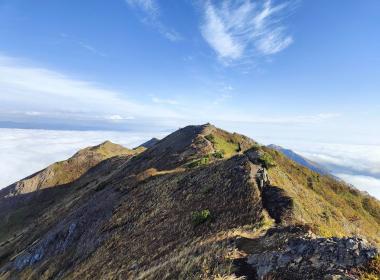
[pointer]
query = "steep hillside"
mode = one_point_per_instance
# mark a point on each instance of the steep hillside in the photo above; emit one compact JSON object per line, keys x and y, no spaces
{"x":301,"y":160}
{"x":149,"y":144}
{"x":201,"y":203}
{"x":331,"y":206}
{"x":23,"y":201}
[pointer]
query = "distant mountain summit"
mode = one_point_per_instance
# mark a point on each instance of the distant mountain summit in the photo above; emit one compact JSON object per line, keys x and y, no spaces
{"x":150,"y":143}
{"x":301,"y":160}
{"x":201,"y":203}
{"x":66,"y":171}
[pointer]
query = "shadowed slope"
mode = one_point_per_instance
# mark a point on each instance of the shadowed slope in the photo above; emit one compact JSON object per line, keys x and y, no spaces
{"x":158,"y":215}
{"x":24,"y":201}
{"x":149,"y":144}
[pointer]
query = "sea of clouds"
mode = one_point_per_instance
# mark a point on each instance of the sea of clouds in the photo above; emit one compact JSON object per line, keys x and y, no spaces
{"x":25,"y":151}
{"x":357,"y":164}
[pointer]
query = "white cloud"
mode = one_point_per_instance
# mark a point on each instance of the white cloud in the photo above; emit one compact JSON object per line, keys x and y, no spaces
{"x":223,"y":97}
{"x":118,"y":118}
{"x":242,"y":29}
{"x":32,"y":94}
{"x":86,"y":46}
{"x":150,"y":15}
{"x":368,"y":184}
{"x":24,"y":152}
{"x":216,"y":34}
{"x":228,"y":88}
{"x":33,"y":113}
{"x":91,"y":49}
{"x":148,"y":6}
{"x":40,"y":91}
{"x":346,"y":158}
{"x":164,"y":101}
{"x":357,"y":164}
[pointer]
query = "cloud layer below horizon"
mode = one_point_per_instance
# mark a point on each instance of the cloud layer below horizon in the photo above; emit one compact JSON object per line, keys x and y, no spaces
{"x":27,"y":151}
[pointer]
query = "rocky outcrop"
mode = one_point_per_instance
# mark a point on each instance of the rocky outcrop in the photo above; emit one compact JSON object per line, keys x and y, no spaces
{"x":318,"y":258}
{"x":153,"y":216}
{"x":275,"y":200}
{"x":293,"y":253}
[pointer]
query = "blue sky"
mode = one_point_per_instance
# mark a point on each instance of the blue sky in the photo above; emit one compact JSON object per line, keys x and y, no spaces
{"x":296,"y":70}
{"x":176,"y":62}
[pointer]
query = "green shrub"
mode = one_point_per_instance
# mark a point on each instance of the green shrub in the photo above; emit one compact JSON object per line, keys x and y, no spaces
{"x":372,"y":207}
{"x":218,"y":154}
{"x":256,"y":147}
{"x":267,"y":160}
{"x":198,"y":162}
{"x":200,"y":217}
{"x":210,"y":138}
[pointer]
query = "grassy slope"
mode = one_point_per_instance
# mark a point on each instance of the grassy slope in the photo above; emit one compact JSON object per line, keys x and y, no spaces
{"x":23,"y":210}
{"x":71,"y":169}
{"x":332,"y":207}
{"x":151,"y":233}
{"x":229,"y":143}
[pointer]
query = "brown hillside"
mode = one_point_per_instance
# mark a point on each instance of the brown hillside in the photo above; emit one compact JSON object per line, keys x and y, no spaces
{"x":201,"y":203}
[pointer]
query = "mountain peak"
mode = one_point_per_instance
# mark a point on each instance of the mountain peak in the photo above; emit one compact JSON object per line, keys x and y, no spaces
{"x":149,"y":144}
{"x":214,"y":200}
{"x":66,"y":171}
{"x":193,"y":143}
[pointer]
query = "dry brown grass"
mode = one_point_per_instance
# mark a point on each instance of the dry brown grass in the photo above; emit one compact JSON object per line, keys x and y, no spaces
{"x":333,"y":208}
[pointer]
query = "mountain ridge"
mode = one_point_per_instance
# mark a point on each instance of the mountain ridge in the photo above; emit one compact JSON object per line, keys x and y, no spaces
{"x":201,"y":203}
{"x":301,"y":160}
{"x":66,"y":171}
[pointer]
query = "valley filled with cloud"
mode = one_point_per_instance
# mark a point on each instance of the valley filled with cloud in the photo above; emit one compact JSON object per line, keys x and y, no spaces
{"x":26,"y":151}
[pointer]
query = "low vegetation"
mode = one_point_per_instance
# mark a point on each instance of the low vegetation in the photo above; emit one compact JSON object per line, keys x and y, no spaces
{"x":200,"y":217}
{"x":229,"y":146}
{"x":267,"y":160}
{"x":198,"y":162}
{"x":219,"y":154}
{"x":331,"y":207}
{"x":173,"y":219}
{"x":371,"y":271}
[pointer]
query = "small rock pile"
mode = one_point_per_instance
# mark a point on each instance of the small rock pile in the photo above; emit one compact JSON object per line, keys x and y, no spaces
{"x":308,"y":258}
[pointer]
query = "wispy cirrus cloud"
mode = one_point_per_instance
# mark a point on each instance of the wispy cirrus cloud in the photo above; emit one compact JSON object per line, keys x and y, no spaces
{"x":243,"y":29}
{"x":82,"y":44}
{"x":91,"y":49}
{"x":150,"y":13}
{"x":148,"y":6}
